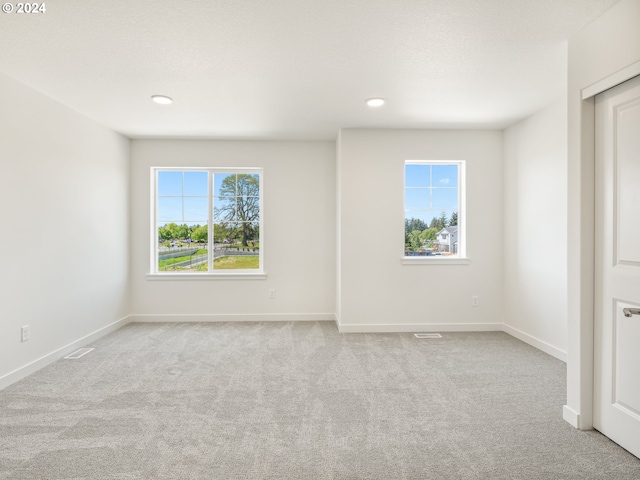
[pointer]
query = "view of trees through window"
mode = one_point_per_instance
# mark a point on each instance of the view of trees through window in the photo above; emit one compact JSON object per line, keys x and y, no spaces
{"x":432,"y":206}
{"x":207,"y":220}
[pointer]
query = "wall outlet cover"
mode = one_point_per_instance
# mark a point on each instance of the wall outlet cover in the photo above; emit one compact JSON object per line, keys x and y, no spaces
{"x":24,"y":333}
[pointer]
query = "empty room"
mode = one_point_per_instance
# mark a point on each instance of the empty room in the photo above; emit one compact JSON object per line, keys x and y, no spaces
{"x":356,"y":239}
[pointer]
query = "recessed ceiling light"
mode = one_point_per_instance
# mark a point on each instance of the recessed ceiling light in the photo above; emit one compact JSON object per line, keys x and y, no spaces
{"x":162,"y":99}
{"x":375,"y":102}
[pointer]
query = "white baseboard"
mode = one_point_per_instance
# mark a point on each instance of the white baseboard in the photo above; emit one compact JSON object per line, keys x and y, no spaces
{"x":419,"y":327}
{"x":536,"y":342}
{"x":250,"y":317}
{"x":571,"y":416}
{"x":42,"y":362}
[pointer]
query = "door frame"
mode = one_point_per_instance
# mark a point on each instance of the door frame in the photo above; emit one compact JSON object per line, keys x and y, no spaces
{"x":581,"y":261}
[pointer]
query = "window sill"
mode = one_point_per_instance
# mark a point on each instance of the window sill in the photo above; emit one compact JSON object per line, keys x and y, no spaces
{"x":435,"y":261}
{"x":207,"y":276}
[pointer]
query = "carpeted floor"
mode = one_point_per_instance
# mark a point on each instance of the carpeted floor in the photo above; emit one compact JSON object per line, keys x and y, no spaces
{"x":299,"y":401}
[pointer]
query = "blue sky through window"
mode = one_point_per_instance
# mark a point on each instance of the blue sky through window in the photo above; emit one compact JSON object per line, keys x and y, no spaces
{"x":183,"y":197}
{"x":430,"y":189}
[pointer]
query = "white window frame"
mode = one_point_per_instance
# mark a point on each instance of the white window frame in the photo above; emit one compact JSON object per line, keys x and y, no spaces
{"x":211,"y":274}
{"x":461,"y":258}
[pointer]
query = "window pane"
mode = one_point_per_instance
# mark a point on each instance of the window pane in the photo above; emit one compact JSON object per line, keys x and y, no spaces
{"x":196,"y":184}
{"x":224,"y":184}
{"x":169,"y":183}
{"x":248,"y":208}
{"x":169,"y":209}
{"x":195,"y":209}
{"x":249,"y":234}
{"x":225,"y":209}
{"x":182,"y":257}
{"x":241,"y":249}
{"x":416,"y":198}
{"x":445,"y":198}
{"x":222,"y":234}
{"x":417,"y":175}
{"x":445,"y":175}
{"x":200,"y":234}
{"x":248,"y":185}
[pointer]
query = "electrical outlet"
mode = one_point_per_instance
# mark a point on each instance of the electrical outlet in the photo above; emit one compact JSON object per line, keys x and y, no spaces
{"x":272,"y":293}
{"x":25,"y":333}
{"x":475,"y":301}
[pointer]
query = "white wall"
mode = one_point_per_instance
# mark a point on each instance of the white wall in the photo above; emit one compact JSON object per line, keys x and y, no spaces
{"x":535,"y":229}
{"x":64,"y":231}
{"x":607,"y":48}
{"x":377,"y":292}
{"x":299,"y":234}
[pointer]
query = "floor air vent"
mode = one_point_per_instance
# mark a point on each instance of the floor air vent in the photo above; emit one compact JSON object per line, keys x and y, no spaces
{"x":427,"y":335}
{"x":78,"y":353}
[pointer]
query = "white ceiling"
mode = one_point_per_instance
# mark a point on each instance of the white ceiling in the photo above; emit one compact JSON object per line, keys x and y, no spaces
{"x":295,"y":69}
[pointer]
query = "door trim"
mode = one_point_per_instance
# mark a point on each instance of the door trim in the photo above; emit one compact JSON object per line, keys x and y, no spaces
{"x":582,"y":296}
{"x":621,"y":76}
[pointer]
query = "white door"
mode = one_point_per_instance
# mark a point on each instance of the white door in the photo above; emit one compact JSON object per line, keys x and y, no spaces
{"x":617,"y":273}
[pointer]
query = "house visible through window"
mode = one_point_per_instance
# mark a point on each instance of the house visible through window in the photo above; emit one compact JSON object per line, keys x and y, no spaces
{"x":207,"y":220}
{"x":433,"y":209}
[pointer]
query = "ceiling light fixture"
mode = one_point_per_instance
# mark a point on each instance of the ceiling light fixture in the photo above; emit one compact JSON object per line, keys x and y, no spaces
{"x":375,"y":102}
{"x":161,"y":99}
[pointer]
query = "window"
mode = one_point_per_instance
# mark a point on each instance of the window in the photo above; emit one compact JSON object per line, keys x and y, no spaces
{"x":434,"y":210}
{"x":207,"y":221}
